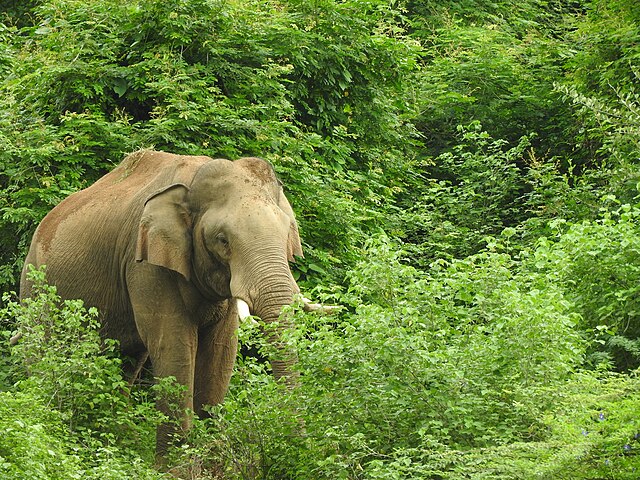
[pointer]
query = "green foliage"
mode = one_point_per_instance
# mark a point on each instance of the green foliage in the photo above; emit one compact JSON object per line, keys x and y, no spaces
{"x":426,"y":364}
{"x":606,"y":47}
{"x":32,"y":442}
{"x":465,"y":129}
{"x":520,"y":18}
{"x":35,"y":445}
{"x":602,"y":82}
{"x":592,"y":434}
{"x":449,"y":353}
{"x":485,"y":71}
{"x":598,"y":265}
{"x":254,"y":434}
{"x":470,"y":193}
{"x":6,"y":52}
{"x":90,"y":426}
{"x":612,"y":128}
{"x":597,"y":433}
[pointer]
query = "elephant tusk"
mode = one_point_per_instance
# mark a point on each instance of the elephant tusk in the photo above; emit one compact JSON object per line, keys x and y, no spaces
{"x":244,"y":312}
{"x":243,"y":309}
{"x":318,"y":307}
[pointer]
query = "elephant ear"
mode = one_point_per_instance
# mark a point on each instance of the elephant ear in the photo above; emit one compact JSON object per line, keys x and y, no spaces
{"x":294,"y":248}
{"x":164,"y":232}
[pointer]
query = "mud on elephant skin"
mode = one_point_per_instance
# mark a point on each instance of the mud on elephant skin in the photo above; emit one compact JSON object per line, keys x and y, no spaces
{"x":166,"y":247}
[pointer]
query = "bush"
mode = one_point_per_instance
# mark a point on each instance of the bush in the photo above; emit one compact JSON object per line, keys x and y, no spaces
{"x":602,"y":82}
{"x":467,"y":357}
{"x":596,"y":432}
{"x":32,"y":441}
{"x":597,"y":264}
{"x":472,"y":192}
{"x":497,"y":74}
{"x":96,"y":424}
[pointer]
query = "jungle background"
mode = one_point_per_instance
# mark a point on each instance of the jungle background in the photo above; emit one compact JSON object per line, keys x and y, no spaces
{"x":466,"y":178}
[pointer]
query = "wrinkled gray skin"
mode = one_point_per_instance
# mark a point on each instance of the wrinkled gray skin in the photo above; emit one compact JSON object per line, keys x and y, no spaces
{"x":162,"y":246}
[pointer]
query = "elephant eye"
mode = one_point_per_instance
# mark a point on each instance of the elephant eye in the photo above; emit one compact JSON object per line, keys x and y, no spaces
{"x":222,"y":239}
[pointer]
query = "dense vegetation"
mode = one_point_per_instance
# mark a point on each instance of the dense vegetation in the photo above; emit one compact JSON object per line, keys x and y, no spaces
{"x":466,"y":175}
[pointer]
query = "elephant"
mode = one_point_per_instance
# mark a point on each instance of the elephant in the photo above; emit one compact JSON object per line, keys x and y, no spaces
{"x":170,"y":248}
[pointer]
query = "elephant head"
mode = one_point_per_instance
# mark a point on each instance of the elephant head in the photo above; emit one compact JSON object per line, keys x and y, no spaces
{"x":230,"y":232}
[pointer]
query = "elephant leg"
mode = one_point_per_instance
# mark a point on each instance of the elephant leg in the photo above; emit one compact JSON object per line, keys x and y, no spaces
{"x":172,"y":351}
{"x":217,"y":348}
{"x":132,"y":372}
{"x":171,"y":338}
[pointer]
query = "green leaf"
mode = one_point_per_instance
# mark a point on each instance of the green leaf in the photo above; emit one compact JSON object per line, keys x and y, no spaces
{"x":120,"y":86}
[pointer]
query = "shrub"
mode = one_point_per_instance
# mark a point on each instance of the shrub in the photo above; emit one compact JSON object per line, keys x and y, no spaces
{"x":32,"y":441}
{"x":597,"y":264}
{"x":483,"y":70}
{"x":94,"y":415}
{"x":466,"y":357}
{"x":473,"y":191}
{"x":596,"y":430}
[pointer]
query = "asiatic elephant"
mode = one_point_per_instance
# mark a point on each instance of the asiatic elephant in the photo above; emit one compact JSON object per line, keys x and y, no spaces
{"x":167,"y":247}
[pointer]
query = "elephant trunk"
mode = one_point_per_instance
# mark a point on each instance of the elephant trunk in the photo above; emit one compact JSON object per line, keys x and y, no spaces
{"x":284,"y":356}
{"x":275,"y":289}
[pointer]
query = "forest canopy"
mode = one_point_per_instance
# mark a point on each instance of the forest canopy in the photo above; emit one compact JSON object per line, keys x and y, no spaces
{"x":466,"y":178}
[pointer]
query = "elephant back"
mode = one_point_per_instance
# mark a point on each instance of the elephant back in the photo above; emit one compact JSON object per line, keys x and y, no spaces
{"x":93,"y":231}
{"x":146,"y":171}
